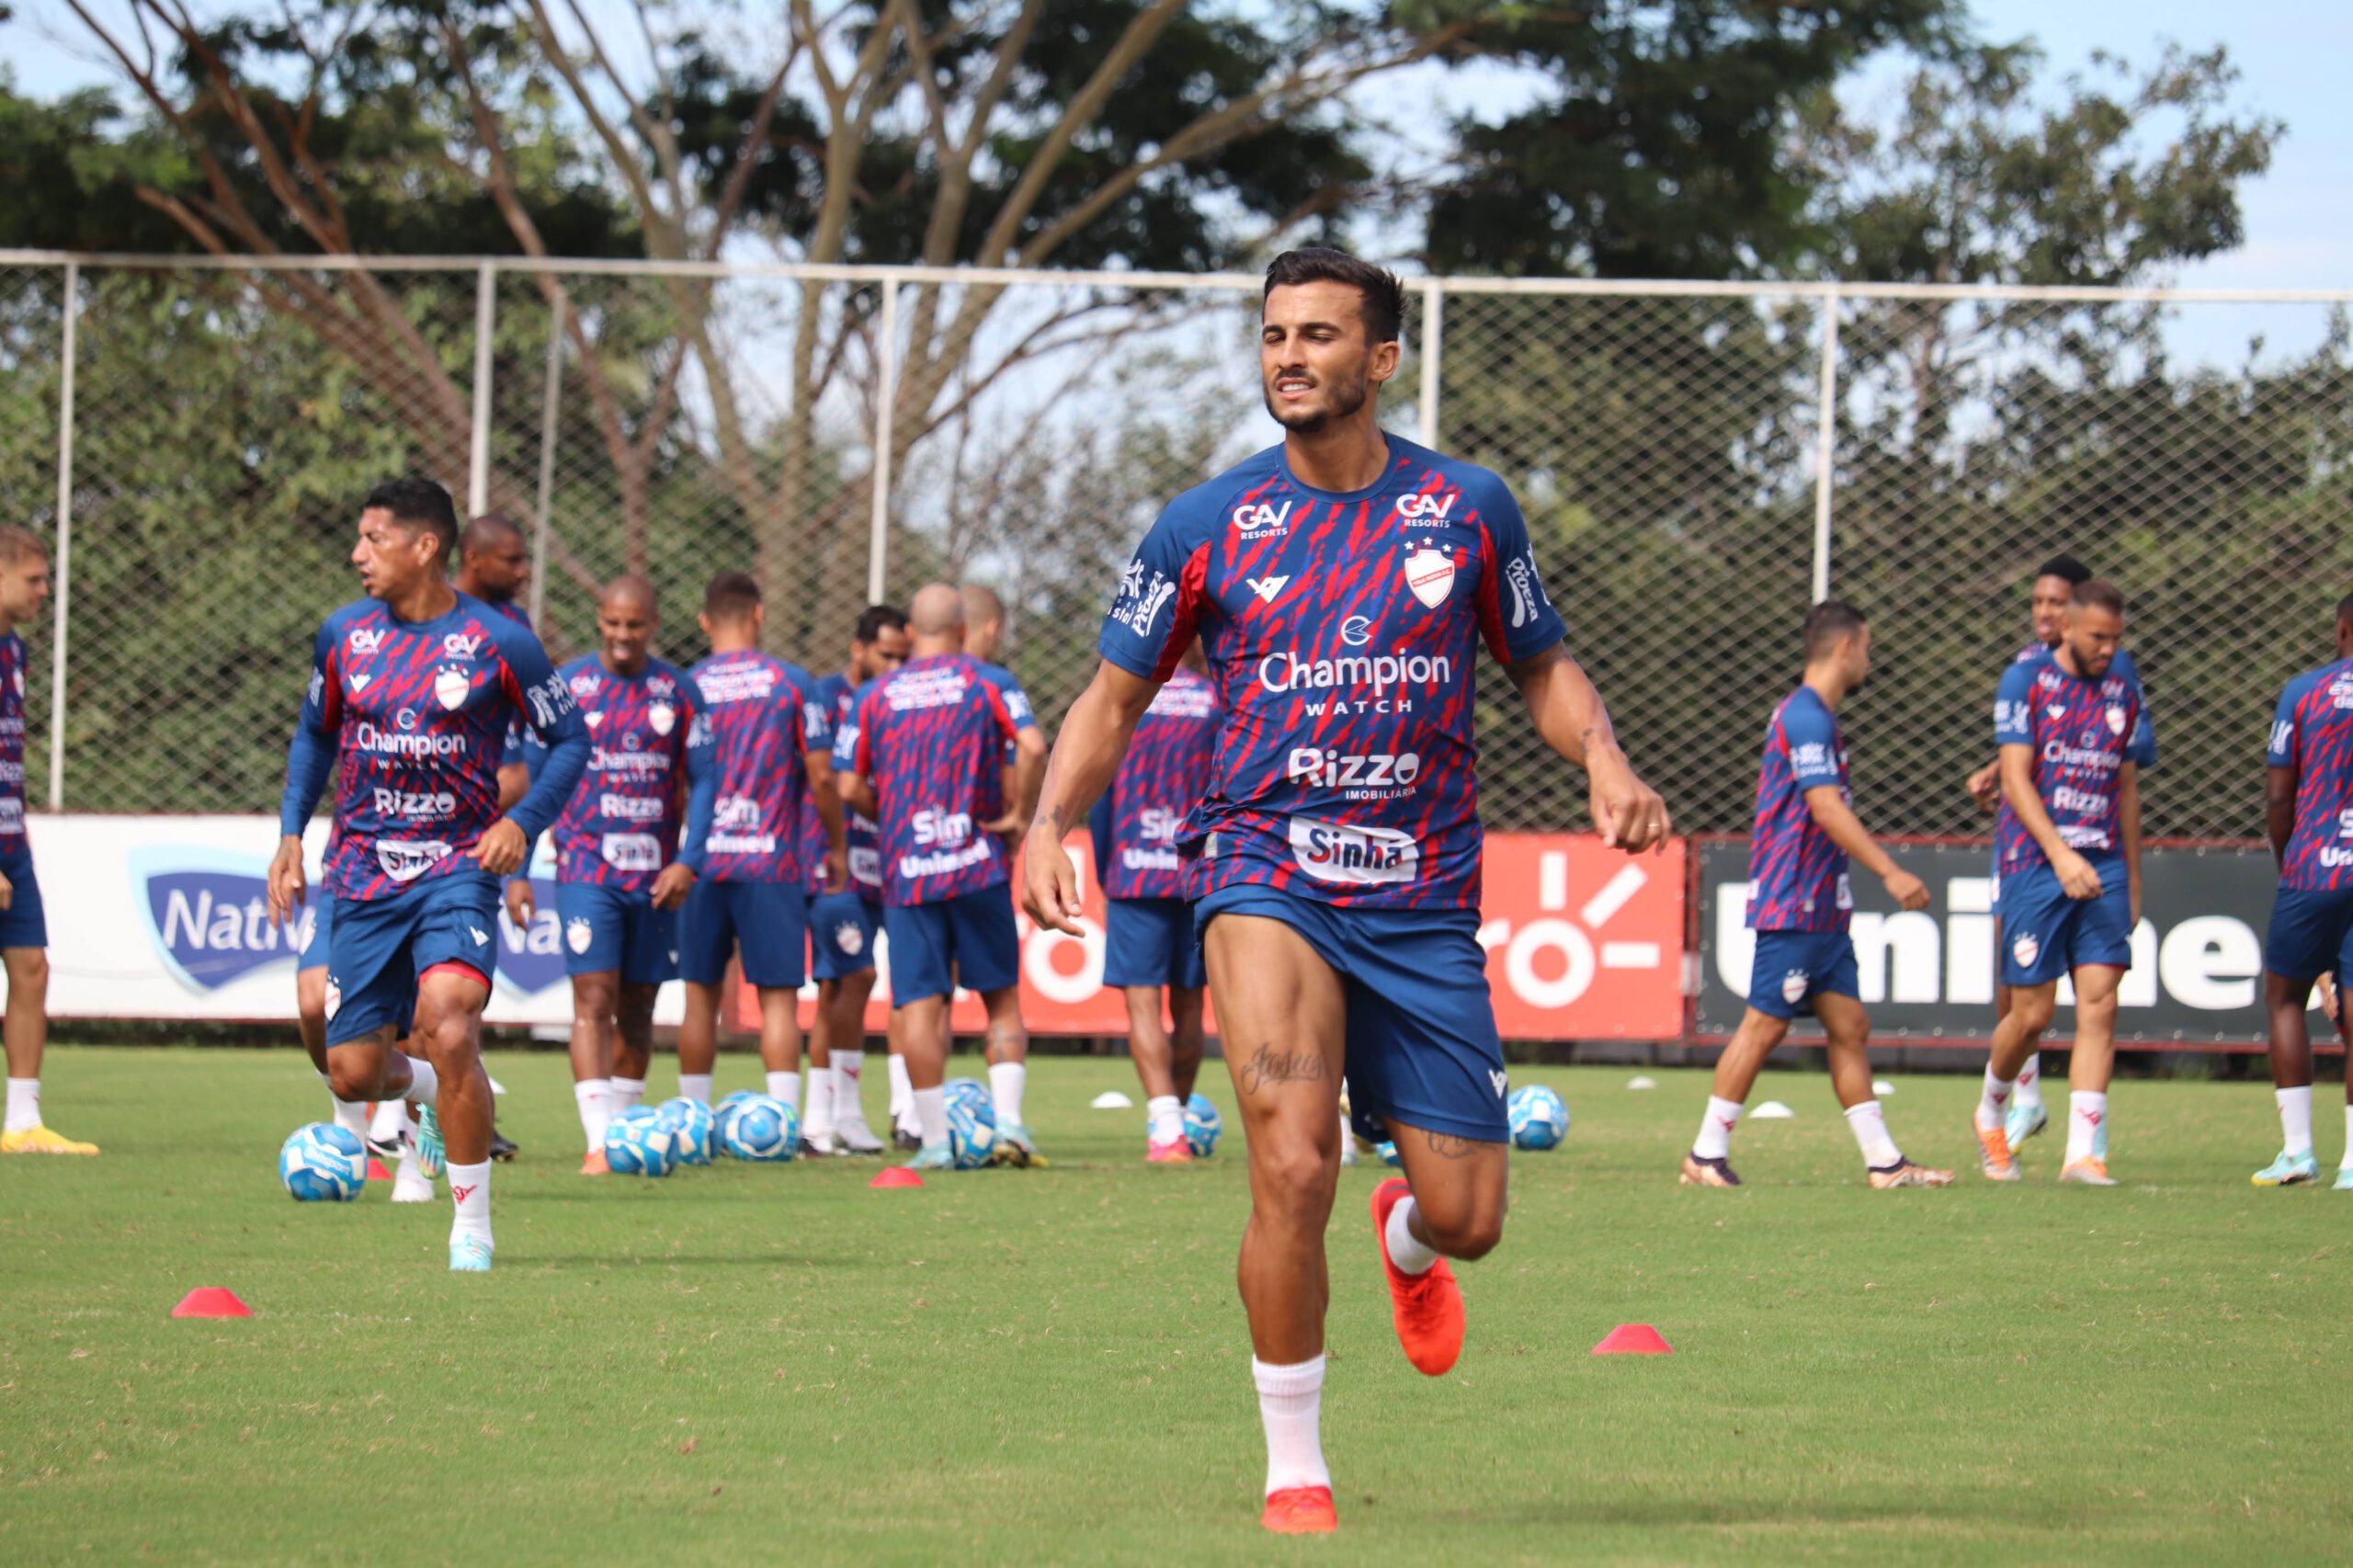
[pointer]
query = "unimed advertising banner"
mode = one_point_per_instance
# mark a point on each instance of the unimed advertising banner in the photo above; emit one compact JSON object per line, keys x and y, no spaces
{"x":2197,"y":974}
{"x":164,"y":917}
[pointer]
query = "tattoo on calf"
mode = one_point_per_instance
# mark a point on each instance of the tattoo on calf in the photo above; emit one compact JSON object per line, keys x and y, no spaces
{"x":1268,"y":1066}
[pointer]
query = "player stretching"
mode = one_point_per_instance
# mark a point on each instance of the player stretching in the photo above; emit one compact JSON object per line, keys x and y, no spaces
{"x":1341,"y":584}
{"x":2053,"y":591}
{"x":620,"y":871}
{"x":843,"y":920}
{"x":1799,"y":906}
{"x":927,"y":761}
{"x":1148,"y":927}
{"x":2071,"y":892}
{"x":412,"y":691}
{"x":773,"y":742}
{"x":24,"y":926}
{"x":2308,"y":806}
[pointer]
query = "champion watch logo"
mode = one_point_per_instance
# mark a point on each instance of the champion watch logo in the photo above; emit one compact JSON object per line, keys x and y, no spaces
{"x":1267,"y":587}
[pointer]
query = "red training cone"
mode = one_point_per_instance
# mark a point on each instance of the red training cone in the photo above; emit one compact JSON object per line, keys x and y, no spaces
{"x":211,"y":1302}
{"x":1633,"y":1339}
{"x":896,"y":1176}
{"x":376,"y":1171}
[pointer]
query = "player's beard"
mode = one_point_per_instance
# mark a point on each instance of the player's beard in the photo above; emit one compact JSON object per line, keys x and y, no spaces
{"x":1344,"y":398}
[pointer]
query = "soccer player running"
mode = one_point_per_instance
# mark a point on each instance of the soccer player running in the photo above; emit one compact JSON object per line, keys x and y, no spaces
{"x":1149,"y":943}
{"x":412,"y":691}
{"x":2071,"y":885}
{"x":24,"y":926}
{"x":621,"y":872}
{"x":773,"y":743}
{"x":1341,"y":584}
{"x":926,"y":763}
{"x":2052,"y":593}
{"x":843,"y":920}
{"x":2308,"y":809}
{"x":1799,"y":906}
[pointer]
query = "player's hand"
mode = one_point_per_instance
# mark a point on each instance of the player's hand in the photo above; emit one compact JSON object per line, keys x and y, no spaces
{"x":2329,"y":1001}
{"x":1984,"y":786}
{"x":836,"y":870}
{"x":2076,"y":875}
{"x":1049,"y":883}
{"x":520,"y":904}
{"x":1012,"y":826}
{"x":7,"y":891}
{"x":2136,"y":903}
{"x":502,"y":849}
{"x":1908,"y":891}
{"x":286,"y":883}
{"x":1628,"y":812}
{"x":671,"y":887}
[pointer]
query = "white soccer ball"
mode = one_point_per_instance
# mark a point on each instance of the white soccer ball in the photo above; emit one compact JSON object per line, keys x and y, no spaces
{"x":1202,"y":1125}
{"x":640,"y":1145}
{"x":690,"y":1124}
{"x":1540,"y":1118}
{"x":322,"y":1164}
{"x":762,"y":1129}
{"x":971,"y":1140}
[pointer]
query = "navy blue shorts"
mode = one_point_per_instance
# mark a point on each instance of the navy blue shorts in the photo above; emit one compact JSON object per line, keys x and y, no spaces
{"x":315,"y":932}
{"x":609,"y":930}
{"x":841,"y":935}
{"x":769,"y":921}
{"x":383,"y":947}
{"x":1152,"y":941}
{"x":24,"y":924}
{"x":1794,"y":967}
{"x":1422,"y":1046}
{"x":2045,"y":934}
{"x":970,"y":941}
{"x":2312,"y":933}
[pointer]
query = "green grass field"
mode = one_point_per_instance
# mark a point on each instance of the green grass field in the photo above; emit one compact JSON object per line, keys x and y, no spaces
{"x":762,"y":1363}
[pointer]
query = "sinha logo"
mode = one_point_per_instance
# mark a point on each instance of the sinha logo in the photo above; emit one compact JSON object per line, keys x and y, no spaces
{"x":208,"y":913}
{"x":365,"y":639}
{"x":1337,"y":852}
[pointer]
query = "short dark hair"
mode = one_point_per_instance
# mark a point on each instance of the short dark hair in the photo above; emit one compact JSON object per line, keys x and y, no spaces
{"x":2345,"y":607}
{"x":19,"y":544}
{"x":732,"y":595}
{"x":418,"y":504}
{"x":490,"y":526}
{"x":1829,"y":623}
{"x":2098,"y":595}
{"x":2066,"y":566}
{"x":1384,"y":297}
{"x":878,"y":619}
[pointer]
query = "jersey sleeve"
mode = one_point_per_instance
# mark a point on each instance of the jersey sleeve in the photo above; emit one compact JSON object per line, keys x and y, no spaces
{"x":544,"y":699}
{"x":310,"y":757}
{"x":1515,"y":611}
{"x":703,"y":786}
{"x":1000,"y":711}
{"x":2140,"y":750}
{"x":860,"y":760}
{"x":2014,"y":707}
{"x":1159,"y":606}
{"x":1813,"y":741}
{"x":1017,"y":703}
{"x":2281,"y":752}
{"x":816,"y":721}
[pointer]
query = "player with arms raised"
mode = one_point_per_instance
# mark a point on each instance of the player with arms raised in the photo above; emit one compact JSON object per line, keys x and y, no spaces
{"x":412,"y":691}
{"x":1341,"y":584}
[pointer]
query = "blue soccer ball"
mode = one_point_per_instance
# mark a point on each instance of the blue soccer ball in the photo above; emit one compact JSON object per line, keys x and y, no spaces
{"x":1386,"y":1151}
{"x":762,"y":1129}
{"x":722,"y":1113}
{"x":691,"y":1127}
{"x":1540,"y":1118}
{"x":323,"y":1164}
{"x":639,"y":1112}
{"x":640,"y":1145}
{"x":974,"y":1095}
{"x":971,"y":1136}
{"x":1203,"y":1124}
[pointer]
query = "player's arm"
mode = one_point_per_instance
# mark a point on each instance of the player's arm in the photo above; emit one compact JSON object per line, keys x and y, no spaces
{"x":1839,"y":825}
{"x":1568,"y":713}
{"x":310,"y":757}
{"x":544,"y":699}
{"x":702,"y":799}
{"x":1984,"y":786}
{"x":1094,"y":736}
{"x":1023,"y":774}
{"x":2128,"y":819}
{"x":853,"y":761}
{"x":528,"y":757}
{"x":2075,"y":873}
{"x":2281,"y":774}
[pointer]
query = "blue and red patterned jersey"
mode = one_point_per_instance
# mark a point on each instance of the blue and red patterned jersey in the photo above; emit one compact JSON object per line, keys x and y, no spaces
{"x":2081,"y":735}
{"x":1139,"y":820}
{"x":2010,"y":833}
{"x":2311,"y":732}
{"x":622,"y":826}
{"x":764,"y":720}
{"x":1797,"y":878}
{"x":417,"y":714}
{"x":840,"y":700}
{"x":931,"y":738}
{"x":1341,"y":631}
{"x":12,"y":738}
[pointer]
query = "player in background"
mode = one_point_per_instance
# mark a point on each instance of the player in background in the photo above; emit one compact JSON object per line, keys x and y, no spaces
{"x":620,"y":870}
{"x":1341,"y":584}
{"x":2308,"y":809}
{"x":2071,"y":885}
{"x":494,"y":566}
{"x":1149,"y":943}
{"x":927,"y":762}
{"x":2052,"y":593}
{"x":412,"y":691}
{"x":24,"y":926}
{"x":843,"y":920}
{"x":1799,"y":906}
{"x":773,"y":744}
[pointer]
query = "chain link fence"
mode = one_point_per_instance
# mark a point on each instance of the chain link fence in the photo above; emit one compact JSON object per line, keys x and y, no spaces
{"x":851,"y":432}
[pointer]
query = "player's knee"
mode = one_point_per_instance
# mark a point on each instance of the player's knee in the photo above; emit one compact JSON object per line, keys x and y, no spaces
{"x":2033,"y":1009}
{"x":351,"y":1079}
{"x":1297,"y":1177}
{"x":29,"y":974}
{"x":1468,"y":1230}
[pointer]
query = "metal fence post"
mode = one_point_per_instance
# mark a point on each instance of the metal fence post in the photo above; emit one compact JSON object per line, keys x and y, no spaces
{"x":485,"y":323}
{"x":1825,"y":444}
{"x":1433,"y":296}
{"x":64,"y":583}
{"x":544,"y":525}
{"x":886,"y":354}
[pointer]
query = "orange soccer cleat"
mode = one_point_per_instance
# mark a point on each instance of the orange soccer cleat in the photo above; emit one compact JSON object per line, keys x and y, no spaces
{"x":1175,"y":1151}
{"x":1993,"y":1154}
{"x":1301,"y":1510}
{"x":593,"y":1163}
{"x":1426,"y":1307}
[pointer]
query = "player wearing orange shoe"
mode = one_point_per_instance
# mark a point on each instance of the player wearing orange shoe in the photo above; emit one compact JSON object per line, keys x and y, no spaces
{"x":1341,"y":584}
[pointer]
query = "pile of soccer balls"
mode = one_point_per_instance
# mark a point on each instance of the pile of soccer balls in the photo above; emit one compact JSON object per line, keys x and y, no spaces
{"x":652,"y":1141}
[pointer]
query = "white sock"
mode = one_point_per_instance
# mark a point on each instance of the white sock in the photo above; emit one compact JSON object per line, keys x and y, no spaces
{"x":1869,"y":1124}
{"x":24,"y":1105}
{"x":424,"y":1084}
{"x":695,"y":1086}
{"x":409,"y":1184}
{"x":2031,"y":1081}
{"x":1410,"y":1255}
{"x":819,"y":1116}
{"x":1290,"y":1406}
{"x":391,"y":1121}
{"x":623,"y":1092}
{"x":352,"y":1117}
{"x":1006,"y":1080}
{"x":469,"y":1192}
{"x":2087,"y":1122}
{"x":786,"y":1086}
{"x":596,"y":1098}
{"x":902,"y":1088}
{"x":2295,"y":1118}
{"x":1714,"y":1142}
{"x":931,"y":1117}
{"x":1167,"y":1114}
{"x":1994,"y":1101}
{"x":850,"y":1072}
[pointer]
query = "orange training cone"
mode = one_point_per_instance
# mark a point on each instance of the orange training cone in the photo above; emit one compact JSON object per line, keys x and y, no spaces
{"x":1633,"y":1339}
{"x":211,"y":1302}
{"x":896,"y":1176}
{"x":376,"y":1171}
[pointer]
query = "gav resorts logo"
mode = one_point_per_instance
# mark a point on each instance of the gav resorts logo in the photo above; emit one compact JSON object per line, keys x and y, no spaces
{"x":208,"y":913}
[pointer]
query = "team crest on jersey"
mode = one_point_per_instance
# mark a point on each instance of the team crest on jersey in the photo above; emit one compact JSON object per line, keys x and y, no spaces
{"x":850,"y":938}
{"x":2115,"y":721}
{"x":662,"y":716}
{"x":334,"y":996}
{"x":1430,"y":575}
{"x":579,"y":934}
{"x":1794,"y":987}
{"x":2026,"y":950}
{"x":450,"y":687}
